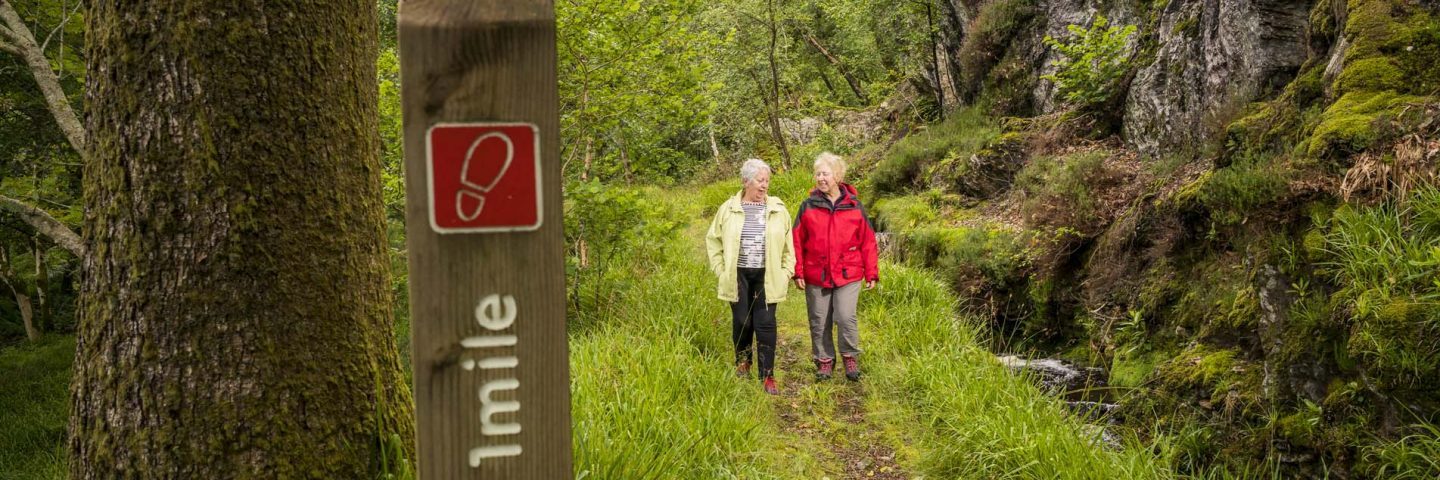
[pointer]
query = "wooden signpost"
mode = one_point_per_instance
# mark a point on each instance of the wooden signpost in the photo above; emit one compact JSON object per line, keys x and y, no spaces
{"x":486,"y":246}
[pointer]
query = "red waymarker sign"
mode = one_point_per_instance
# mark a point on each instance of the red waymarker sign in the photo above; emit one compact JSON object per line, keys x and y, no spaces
{"x":484,"y":177}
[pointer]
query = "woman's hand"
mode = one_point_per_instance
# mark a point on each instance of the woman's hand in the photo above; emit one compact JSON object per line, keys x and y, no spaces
{"x":800,"y":283}
{"x":869,"y":284}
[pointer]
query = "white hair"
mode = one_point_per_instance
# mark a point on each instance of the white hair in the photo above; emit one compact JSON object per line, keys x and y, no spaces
{"x":752,"y":168}
{"x":836,"y":164}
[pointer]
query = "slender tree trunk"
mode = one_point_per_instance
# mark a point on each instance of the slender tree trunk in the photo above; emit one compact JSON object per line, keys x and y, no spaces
{"x":589,"y":149}
{"x":839,"y":66}
{"x":830,"y":86}
{"x":235,"y":314}
{"x":27,"y":313}
{"x":42,"y":281}
{"x":775,"y":87}
{"x":625,"y":157}
{"x":935,"y":58}
{"x":17,"y":39}
{"x":772,"y":118}
{"x":714,"y":147}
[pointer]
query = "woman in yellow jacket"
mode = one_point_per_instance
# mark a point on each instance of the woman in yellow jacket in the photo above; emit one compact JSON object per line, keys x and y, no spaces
{"x":753,"y":258}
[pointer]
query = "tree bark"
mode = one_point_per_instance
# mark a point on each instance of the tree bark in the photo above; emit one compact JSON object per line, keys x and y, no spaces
{"x":839,"y":66}
{"x":775,"y":86}
{"x":235,"y":312}
{"x":15,"y":37}
{"x":45,"y":224}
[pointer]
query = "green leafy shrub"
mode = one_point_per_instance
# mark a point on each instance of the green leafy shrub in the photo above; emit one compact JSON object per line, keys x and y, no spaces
{"x":1094,"y":60}
{"x":603,"y":223}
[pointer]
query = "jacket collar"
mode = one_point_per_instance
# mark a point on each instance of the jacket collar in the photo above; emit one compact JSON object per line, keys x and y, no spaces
{"x":847,"y":198}
{"x":773,"y":203}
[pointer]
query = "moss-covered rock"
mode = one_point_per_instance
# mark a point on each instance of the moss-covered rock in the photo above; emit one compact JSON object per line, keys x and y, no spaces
{"x":1355,"y":122}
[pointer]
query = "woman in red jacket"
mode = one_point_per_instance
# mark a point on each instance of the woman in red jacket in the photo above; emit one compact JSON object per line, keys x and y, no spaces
{"x":834,"y":251}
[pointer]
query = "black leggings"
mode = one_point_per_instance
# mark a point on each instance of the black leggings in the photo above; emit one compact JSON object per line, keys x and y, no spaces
{"x":754,"y":321}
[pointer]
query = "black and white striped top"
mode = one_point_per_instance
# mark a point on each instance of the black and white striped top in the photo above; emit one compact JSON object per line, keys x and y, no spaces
{"x":752,"y":236}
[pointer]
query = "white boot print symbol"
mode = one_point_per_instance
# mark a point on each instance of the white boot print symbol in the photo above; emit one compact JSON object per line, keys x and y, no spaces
{"x":475,"y":188}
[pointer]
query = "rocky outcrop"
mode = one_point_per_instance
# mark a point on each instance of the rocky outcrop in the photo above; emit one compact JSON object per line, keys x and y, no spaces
{"x":1213,"y":56}
{"x":801,"y":131}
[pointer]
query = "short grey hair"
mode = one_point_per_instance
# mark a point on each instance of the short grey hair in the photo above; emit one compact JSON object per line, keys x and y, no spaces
{"x":751,"y":168}
{"x":836,"y":164}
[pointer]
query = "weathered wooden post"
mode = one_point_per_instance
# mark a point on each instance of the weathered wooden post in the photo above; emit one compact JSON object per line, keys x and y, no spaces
{"x":486,"y":247}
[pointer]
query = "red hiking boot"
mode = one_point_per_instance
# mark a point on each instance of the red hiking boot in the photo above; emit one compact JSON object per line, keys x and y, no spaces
{"x":826,"y":367}
{"x":770,"y":387}
{"x":852,"y":368}
{"x":742,"y":369}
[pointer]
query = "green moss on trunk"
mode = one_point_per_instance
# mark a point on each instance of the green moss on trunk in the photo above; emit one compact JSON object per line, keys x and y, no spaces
{"x":235,"y":314}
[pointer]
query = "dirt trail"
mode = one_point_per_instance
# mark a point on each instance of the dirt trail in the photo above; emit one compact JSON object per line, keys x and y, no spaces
{"x":831,"y":413}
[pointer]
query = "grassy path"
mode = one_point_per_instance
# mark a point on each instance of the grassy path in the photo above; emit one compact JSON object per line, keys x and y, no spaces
{"x":831,"y":414}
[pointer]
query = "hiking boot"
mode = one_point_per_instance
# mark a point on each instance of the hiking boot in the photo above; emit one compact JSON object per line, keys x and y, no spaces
{"x":852,"y":368}
{"x":826,"y":367}
{"x":770,"y":387}
{"x":742,"y":369}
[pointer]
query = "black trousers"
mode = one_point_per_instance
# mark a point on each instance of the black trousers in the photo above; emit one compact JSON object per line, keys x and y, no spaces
{"x":754,"y":321}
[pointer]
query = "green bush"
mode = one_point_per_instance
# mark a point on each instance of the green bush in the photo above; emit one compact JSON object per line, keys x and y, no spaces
{"x":1094,"y":60}
{"x":994,"y":256}
{"x":964,"y":132}
{"x":901,"y":214}
{"x":1060,"y":191}
{"x":602,"y":222}
{"x":1234,"y":193}
{"x":990,"y":37}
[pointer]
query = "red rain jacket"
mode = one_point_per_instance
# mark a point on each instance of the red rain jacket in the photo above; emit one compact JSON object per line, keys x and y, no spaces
{"x":834,"y":244}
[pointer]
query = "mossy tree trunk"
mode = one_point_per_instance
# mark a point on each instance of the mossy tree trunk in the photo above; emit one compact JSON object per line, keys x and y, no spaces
{"x":234,"y":319}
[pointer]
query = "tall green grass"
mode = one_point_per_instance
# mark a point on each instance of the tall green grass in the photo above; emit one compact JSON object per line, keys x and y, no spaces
{"x":968,"y":416}
{"x":34,"y":408}
{"x":653,"y":390}
{"x":1384,"y":259}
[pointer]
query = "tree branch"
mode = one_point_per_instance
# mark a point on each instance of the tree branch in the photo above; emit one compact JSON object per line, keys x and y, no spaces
{"x":45,"y":224}
{"x":61,"y":26}
{"x":12,"y":26}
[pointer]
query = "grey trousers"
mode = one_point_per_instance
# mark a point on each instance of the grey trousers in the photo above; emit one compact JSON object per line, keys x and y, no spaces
{"x":828,"y":308}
